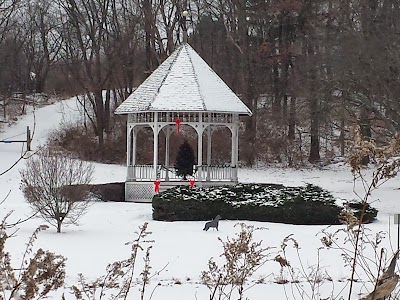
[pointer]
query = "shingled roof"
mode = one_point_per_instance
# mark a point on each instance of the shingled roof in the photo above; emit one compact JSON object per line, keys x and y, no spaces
{"x":184,"y":82}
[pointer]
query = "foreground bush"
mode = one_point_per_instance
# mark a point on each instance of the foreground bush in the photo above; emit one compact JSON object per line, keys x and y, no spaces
{"x":308,"y":204}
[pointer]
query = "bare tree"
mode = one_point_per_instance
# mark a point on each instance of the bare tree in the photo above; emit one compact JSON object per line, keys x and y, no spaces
{"x":41,"y":23}
{"x":11,"y":59}
{"x":236,"y":18}
{"x":124,"y":47}
{"x":47,"y":183}
{"x":7,"y":9}
{"x":161,"y":19}
{"x":86,"y":36}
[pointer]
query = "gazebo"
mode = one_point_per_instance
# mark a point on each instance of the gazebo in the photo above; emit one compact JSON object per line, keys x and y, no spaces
{"x":183,"y":90}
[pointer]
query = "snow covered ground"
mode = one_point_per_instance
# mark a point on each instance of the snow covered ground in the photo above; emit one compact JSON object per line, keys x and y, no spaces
{"x":182,"y":249}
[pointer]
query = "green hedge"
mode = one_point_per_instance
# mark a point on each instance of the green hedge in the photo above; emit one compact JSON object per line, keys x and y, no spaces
{"x":308,"y":204}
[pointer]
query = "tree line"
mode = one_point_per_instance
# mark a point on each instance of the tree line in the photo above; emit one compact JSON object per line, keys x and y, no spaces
{"x":312,"y":71}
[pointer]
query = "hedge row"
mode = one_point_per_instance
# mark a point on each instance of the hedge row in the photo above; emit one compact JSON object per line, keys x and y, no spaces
{"x":308,"y":204}
{"x":114,"y":191}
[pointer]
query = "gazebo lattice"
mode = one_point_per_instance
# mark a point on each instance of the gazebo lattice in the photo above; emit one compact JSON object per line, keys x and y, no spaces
{"x":183,"y":90}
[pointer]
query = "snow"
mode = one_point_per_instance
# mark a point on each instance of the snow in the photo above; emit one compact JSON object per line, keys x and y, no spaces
{"x":183,"y":82}
{"x":182,"y":249}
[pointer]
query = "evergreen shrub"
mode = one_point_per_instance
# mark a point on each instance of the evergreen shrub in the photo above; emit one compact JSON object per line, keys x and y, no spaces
{"x":305,"y":205}
{"x":185,"y":160}
{"x":369,"y":214}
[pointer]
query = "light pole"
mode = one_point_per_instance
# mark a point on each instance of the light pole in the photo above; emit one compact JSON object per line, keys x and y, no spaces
{"x":185,"y":14}
{"x":27,"y":141}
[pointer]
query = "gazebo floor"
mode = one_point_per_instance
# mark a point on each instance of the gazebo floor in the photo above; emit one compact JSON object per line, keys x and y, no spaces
{"x":144,"y":190}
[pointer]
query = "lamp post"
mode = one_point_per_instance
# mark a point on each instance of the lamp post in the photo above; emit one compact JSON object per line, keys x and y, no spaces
{"x":397,"y":221}
{"x":185,"y":14}
{"x":27,"y":141}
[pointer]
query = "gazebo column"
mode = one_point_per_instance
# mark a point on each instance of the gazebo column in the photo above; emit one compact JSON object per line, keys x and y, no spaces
{"x":167,"y":139}
{"x":200,"y":148}
{"x":133,"y":146}
{"x":131,"y":151}
{"x":128,"y":145}
{"x":235,"y":148}
{"x":208,"y":151}
{"x":155,"y":145}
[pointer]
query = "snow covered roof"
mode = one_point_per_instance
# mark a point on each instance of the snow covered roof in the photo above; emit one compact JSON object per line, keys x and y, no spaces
{"x":183,"y":82}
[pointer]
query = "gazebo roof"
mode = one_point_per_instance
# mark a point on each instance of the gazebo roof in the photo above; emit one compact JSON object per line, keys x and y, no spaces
{"x":184,"y":82}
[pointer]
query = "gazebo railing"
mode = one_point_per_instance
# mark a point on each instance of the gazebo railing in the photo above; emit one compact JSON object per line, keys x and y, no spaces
{"x":140,"y":172}
{"x":202,"y":172}
{"x":216,"y":172}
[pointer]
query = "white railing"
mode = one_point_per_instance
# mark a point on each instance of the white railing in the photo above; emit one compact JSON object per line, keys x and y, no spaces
{"x":140,"y":172}
{"x":201,"y":173}
{"x":216,"y":172}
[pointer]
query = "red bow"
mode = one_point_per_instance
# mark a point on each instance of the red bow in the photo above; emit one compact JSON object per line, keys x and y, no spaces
{"x":191,"y":182}
{"x":157,"y":186}
{"x":178,"y":124}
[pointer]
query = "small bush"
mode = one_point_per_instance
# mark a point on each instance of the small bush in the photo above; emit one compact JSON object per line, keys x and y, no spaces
{"x":308,"y":204}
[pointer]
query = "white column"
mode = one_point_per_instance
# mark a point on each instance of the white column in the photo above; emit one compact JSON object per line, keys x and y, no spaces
{"x":209,"y":145}
{"x":128,"y":145}
{"x":235,"y":147}
{"x":128,"y":151}
{"x":131,"y":151}
{"x":200,"y":148}
{"x":155,"y":144}
{"x":209,"y":132}
{"x":135,"y":132}
{"x":167,"y":138}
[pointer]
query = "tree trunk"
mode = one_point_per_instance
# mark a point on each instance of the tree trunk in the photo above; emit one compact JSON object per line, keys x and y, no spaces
{"x":40,"y":83}
{"x":99,"y":117}
{"x":149,"y":35}
{"x":59,"y":223}
{"x":276,"y":103}
{"x":292,"y":119}
{"x":342,"y":136}
{"x":314,"y":130}
{"x":314,"y":155}
{"x":365,"y":130}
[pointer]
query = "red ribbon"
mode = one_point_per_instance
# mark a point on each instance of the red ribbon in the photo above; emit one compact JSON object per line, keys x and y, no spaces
{"x":178,"y":124}
{"x":157,"y":186}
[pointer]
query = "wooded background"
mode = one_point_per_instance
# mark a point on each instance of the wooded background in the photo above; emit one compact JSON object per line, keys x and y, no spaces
{"x":312,"y":71}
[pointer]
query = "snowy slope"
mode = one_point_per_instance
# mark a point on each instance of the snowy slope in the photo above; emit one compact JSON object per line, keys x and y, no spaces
{"x":182,"y":246}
